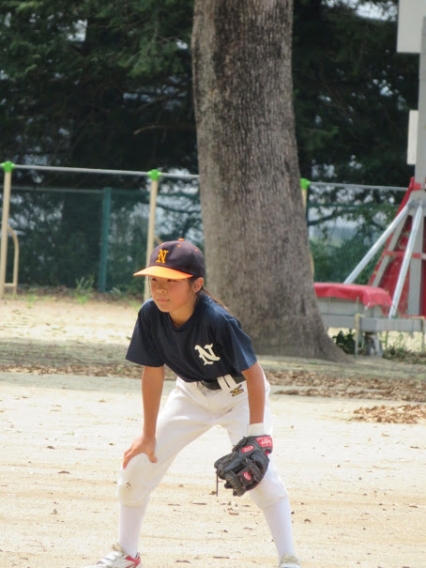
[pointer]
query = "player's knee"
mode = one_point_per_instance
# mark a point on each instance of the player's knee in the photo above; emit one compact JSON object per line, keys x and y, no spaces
{"x":135,"y":482}
{"x":269,"y":491}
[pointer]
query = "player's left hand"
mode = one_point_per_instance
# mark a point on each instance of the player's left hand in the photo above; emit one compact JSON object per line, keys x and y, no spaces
{"x":245,"y":467}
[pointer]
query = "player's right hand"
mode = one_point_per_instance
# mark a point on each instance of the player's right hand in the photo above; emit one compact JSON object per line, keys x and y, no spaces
{"x":141,"y":445}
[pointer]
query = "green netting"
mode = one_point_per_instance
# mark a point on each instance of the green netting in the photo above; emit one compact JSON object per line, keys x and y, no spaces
{"x":344,"y":223}
{"x":98,"y":237}
{"x":58,"y":235}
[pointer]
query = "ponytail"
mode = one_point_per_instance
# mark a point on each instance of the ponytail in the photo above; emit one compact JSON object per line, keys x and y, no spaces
{"x":207,"y":293}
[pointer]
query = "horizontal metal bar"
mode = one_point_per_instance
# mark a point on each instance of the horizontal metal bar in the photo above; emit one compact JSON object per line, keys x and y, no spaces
{"x":357,"y":186}
{"x":102,"y":171}
{"x":372,"y":325}
{"x":187,"y":176}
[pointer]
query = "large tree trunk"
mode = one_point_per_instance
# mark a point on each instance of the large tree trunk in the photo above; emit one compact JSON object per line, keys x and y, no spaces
{"x":254,"y":223}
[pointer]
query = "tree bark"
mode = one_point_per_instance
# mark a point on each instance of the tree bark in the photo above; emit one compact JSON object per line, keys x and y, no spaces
{"x":254,"y":222}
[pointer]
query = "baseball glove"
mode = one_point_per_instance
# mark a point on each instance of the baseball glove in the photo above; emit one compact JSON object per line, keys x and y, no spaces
{"x":244,"y":468}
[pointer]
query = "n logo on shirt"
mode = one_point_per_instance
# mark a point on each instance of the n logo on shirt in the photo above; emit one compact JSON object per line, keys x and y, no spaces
{"x":206,"y":354}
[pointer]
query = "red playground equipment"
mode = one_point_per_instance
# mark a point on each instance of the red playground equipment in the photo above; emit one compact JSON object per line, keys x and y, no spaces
{"x":401,"y":269}
{"x":395,"y":299}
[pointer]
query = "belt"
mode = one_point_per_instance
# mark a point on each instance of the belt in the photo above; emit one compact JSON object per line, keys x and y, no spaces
{"x":215,"y":385}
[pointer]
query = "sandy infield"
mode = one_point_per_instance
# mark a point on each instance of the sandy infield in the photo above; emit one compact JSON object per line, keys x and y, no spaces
{"x":358,"y":489}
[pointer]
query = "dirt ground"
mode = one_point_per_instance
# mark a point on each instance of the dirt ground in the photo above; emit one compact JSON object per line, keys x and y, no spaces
{"x":350,"y":442}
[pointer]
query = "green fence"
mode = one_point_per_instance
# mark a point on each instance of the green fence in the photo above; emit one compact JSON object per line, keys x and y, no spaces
{"x":98,"y":236}
{"x":94,"y":237}
{"x":344,"y":221}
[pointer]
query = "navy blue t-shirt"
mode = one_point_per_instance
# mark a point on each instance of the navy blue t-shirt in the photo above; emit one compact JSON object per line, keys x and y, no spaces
{"x":209,"y":345}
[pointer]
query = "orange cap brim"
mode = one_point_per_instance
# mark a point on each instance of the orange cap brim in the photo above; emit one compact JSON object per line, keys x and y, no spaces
{"x":163,"y":272}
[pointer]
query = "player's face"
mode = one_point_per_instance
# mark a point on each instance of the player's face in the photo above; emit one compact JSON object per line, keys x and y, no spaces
{"x":176,"y":297}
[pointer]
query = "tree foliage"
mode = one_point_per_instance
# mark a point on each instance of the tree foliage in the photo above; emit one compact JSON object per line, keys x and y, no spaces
{"x":86,"y":82}
{"x":353,"y":92}
{"x":108,"y":84}
{"x":96,"y":84}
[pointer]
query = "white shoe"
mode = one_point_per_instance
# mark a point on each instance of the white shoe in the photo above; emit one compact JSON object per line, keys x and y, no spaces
{"x":118,"y":559}
{"x":289,"y":561}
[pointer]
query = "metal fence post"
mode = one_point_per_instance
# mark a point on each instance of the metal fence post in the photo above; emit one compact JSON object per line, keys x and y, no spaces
{"x":106,"y":221}
{"x":154,"y":176}
{"x":304,"y":186}
{"x":8,"y":169}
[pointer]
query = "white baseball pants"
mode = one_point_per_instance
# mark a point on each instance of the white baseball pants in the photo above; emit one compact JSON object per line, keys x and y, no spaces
{"x":190,"y":410}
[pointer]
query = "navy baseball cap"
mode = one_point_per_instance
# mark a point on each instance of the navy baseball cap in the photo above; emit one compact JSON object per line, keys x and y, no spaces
{"x":176,"y":260}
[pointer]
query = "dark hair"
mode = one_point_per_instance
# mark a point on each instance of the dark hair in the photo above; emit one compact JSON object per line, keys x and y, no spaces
{"x":207,"y":293}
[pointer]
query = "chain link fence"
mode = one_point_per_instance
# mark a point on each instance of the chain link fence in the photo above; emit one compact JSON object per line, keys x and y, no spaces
{"x":344,"y":221}
{"x":78,"y":236}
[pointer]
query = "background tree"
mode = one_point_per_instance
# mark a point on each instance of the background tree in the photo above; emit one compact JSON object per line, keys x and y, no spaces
{"x":108,"y":84}
{"x":353,"y":92}
{"x":254,"y":225}
{"x":99,"y":84}
{"x":92,"y":84}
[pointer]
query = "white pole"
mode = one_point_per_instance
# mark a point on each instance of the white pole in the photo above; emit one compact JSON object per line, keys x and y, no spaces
{"x":108,"y":172}
{"x":374,"y":249}
{"x":406,"y":262}
{"x":420,"y":167}
{"x":8,"y":167}
{"x":155,"y":176}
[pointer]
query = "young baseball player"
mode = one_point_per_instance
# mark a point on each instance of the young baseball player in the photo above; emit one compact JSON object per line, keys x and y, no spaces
{"x":219,"y":381}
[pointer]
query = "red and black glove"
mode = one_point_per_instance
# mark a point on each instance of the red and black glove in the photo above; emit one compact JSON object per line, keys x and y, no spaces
{"x":245,"y":467}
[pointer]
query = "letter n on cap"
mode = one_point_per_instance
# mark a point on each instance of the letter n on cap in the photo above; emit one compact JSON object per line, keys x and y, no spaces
{"x":162,"y":255}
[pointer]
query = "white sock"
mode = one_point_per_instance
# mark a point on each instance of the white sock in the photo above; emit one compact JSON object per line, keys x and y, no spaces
{"x":278,"y":517}
{"x":129,"y":528}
